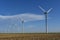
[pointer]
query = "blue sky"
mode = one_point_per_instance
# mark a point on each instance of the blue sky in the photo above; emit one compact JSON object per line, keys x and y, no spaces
{"x":10,"y":9}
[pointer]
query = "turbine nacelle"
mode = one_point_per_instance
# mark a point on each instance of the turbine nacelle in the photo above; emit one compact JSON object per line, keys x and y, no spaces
{"x":45,"y":12}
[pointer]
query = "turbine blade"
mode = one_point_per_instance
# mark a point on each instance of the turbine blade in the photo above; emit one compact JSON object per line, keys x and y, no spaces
{"x":49,"y":10}
{"x":42,"y":9}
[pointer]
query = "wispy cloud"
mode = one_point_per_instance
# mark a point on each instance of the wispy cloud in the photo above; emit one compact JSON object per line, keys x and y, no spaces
{"x":26,"y":17}
{"x":12,"y":23}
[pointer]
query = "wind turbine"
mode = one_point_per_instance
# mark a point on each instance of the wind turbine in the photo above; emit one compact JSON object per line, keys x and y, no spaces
{"x":46,"y":16}
{"x":22,"y":21}
{"x":14,"y":26}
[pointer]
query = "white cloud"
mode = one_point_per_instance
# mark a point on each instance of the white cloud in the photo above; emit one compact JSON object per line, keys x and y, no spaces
{"x":26,"y":17}
{"x":6,"y":17}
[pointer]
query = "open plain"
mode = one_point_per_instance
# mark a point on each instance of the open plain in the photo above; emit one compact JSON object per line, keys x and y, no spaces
{"x":29,"y":36}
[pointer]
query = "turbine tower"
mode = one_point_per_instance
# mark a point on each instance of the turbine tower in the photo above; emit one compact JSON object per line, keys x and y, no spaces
{"x":46,"y":16}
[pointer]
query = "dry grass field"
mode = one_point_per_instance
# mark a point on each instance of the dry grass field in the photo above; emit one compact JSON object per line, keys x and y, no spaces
{"x":30,"y":36}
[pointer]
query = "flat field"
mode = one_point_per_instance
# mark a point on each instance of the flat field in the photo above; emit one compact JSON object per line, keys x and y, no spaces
{"x":29,"y":36}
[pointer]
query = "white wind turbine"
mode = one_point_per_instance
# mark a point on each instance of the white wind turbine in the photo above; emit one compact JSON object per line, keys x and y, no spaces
{"x":22,"y":21}
{"x":22,"y":25}
{"x":14,"y":26}
{"x":46,"y":15}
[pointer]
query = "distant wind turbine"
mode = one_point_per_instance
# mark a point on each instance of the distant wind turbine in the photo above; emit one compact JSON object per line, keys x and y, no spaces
{"x":46,"y":15}
{"x":22,"y":21}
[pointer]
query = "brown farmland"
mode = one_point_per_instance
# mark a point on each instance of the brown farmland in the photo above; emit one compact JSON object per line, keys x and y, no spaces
{"x":30,"y":36}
